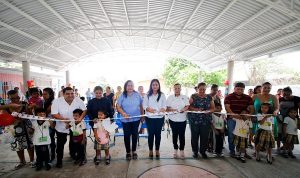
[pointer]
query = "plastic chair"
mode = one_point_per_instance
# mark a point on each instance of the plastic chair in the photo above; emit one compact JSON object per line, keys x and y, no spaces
{"x":120,"y":127}
{"x":88,"y":127}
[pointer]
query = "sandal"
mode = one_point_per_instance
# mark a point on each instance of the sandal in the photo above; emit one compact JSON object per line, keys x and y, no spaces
{"x":19,"y":165}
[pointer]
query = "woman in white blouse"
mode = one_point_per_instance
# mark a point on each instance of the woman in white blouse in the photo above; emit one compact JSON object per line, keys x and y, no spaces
{"x":178,"y":103}
{"x":154,"y":102}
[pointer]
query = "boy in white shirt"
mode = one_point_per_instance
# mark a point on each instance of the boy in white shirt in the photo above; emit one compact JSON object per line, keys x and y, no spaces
{"x":79,"y":137}
{"x":41,"y":139}
{"x":242,"y":128}
{"x":290,"y":133}
{"x":218,"y":126}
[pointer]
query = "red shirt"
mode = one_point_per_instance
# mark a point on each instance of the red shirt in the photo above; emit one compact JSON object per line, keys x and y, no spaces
{"x":238,"y":103}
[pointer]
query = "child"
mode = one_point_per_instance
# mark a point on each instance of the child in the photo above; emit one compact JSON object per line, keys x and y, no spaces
{"x":241,"y":131}
{"x":101,"y":137}
{"x":41,"y":139}
{"x":79,"y":137}
{"x":264,"y":136}
{"x":290,"y":133}
{"x":218,"y":128}
{"x":35,"y":101}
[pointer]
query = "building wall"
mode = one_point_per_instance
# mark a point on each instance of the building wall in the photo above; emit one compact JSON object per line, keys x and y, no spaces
{"x":10,"y":78}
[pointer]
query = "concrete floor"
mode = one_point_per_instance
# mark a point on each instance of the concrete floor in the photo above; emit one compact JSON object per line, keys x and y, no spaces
{"x":165,"y":167}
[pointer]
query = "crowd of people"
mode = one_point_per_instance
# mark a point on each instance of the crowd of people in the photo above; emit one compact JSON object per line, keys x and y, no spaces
{"x":254,"y":120}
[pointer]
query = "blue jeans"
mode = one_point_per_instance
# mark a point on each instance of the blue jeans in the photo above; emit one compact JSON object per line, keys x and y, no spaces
{"x":230,"y":127}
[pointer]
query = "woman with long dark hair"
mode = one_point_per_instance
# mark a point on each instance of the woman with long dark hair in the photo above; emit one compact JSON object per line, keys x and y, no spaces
{"x":130,"y":103}
{"x":48,"y":97}
{"x":154,"y":103}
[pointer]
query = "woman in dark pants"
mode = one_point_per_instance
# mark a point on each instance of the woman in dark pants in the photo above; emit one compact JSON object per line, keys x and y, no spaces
{"x":98,"y":103}
{"x":154,"y":103}
{"x":48,"y":97}
{"x":200,"y":123}
{"x":130,"y":103}
{"x":178,"y":103}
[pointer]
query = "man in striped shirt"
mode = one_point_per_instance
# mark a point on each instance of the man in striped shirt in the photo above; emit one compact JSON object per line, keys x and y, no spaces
{"x":235,"y":103}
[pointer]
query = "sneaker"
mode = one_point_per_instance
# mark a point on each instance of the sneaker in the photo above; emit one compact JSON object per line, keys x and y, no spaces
{"x":182,"y":155}
{"x":151,"y":154}
{"x":175,"y":155}
{"x":215,"y":155}
{"x":19,"y":165}
{"x":243,"y":159}
{"x":220,"y":155}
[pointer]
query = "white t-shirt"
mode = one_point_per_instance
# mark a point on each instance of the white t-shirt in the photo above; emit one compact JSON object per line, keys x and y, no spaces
{"x":218,"y":121}
{"x":267,"y":125}
{"x":178,"y":103}
{"x":41,"y":135}
{"x":78,"y":129}
{"x":291,"y":127}
{"x":154,"y":104}
{"x":242,"y":127}
{"x":60,"y":106}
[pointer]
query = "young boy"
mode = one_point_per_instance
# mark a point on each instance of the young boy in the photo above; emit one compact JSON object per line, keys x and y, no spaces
{"x":79,"y":137}
{"x":218,"y":127}
{"x":41,"y":139}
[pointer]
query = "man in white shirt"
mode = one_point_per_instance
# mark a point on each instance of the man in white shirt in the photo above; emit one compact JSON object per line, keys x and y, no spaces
{"x":62,"y":109}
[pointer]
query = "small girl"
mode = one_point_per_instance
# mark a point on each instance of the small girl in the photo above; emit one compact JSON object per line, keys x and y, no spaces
{"x":242,"y":128}
{"x":290,"y":133}
{"x":101,"y":137}
{"x":264,"y":136}
{"x":218,"y":121}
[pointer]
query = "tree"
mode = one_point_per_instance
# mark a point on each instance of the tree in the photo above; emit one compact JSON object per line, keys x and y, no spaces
{"x":186,"y":73}
{"x":217,"y":77}
{"x":181,"y":71}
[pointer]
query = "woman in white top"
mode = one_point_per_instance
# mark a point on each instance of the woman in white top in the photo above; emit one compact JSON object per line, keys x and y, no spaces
{"x":154,"y":103}
{"x":178,"y":103}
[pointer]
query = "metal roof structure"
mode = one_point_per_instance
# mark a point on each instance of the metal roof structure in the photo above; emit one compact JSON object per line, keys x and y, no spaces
{"x":55,"y":33}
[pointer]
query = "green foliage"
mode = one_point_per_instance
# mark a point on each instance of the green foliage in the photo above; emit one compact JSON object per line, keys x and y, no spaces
{"x":217,"y":77}
{"x":186,"y":73}
{"x":181,"y":71}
